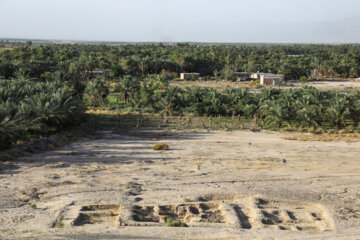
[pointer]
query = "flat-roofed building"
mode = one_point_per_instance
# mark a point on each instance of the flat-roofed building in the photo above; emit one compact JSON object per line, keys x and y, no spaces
{"x":192,"y":76}
{"x":97,"y":73}
{"x":271,"y":80}
{"x":259,"y":74}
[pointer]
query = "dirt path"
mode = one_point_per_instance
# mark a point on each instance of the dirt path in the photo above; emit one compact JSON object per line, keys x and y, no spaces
{"x":223,"y":185}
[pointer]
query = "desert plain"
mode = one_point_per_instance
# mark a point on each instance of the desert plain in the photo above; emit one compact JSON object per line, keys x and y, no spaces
{"x":221,"y":184}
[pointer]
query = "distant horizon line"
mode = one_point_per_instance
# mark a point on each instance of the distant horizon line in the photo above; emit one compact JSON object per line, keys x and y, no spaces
{"x":52,"y":40}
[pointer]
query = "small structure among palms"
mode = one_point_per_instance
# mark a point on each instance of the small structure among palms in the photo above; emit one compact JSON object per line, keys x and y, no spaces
{"x":189,"y":76}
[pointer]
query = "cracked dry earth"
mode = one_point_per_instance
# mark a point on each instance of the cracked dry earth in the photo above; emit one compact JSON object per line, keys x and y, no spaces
{"x":223,"y":185}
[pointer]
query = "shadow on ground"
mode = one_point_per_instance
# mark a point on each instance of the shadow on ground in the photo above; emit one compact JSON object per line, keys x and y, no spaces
{"x":101,"y":236}
{"x":112,"y":147}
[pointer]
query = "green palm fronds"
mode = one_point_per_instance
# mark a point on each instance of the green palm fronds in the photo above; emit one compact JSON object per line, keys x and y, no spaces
{"x":28,"y":107}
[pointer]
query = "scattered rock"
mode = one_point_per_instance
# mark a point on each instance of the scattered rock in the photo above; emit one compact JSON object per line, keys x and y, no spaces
{"x":53,"y":176}
{"x":60,"y":165}
{"x":131,"y":185}
{"x":255,"y":129}
{"x":138,"y":199}
{"x":32,"y":193}
{"x":133,"y":189}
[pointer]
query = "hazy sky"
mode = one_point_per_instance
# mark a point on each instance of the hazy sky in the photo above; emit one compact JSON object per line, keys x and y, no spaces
{"x":280,"y":21}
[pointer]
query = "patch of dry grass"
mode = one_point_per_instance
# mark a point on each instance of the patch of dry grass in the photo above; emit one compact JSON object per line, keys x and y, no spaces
{"x":218,"y":84}
{"x":7,"y":48}
{"x":347,"y":137}
{"x":107,"y":112}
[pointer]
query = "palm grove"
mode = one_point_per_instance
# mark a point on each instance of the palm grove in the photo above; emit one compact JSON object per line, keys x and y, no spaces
{"x":44,"y":89}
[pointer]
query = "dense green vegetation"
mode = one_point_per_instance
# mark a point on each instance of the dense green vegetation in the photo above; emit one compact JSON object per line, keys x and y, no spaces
{"x":271,"y":108}
{"x":295,"y":61}
{"x":44,"y":88}
{"x":34,"y":108}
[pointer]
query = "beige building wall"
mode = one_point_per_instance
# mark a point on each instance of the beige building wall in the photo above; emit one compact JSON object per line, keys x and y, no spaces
{"x":184,"y":76}
{"x":271,"y":80}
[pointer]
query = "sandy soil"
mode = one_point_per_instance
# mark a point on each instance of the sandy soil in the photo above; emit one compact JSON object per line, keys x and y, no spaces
{"x":332,"y":85}
{"x":224,"y":185}
{"x":347,"y":85}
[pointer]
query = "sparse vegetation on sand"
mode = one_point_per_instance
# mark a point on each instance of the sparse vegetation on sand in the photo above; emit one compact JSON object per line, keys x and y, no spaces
{"x":327,"y":137}
{"x":59,"y":221}
{"x":175,"y":223}
{"x":59,"y":224}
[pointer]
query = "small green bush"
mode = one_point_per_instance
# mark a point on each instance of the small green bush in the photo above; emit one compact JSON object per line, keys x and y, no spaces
{"x":139,"y":218}
{"x":160,"y":146}
{"x":59,"y":224}
{"x":303,"y":79}
{"x":175,"y":223}
{"x":91,"y":218}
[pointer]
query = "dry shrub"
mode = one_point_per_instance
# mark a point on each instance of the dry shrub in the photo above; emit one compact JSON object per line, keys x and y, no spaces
{"x":160,"y":146}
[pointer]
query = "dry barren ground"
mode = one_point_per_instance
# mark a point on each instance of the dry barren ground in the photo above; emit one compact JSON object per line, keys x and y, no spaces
{"x":332,"y":85}
{"x":341,"y":85}
{"x":223,"y":185}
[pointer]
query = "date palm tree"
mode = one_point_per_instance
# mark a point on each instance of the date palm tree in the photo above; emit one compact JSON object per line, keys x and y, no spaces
{"x":354,"y":103}
{"x":97,"y":90}
{"x":338,"y":111}
{"x":274,"y":114}
{"x":214,"y":103}
{"x":170,"y":102}
{"x":28,"y":107}
{"x":307,"y":116}
{"x":126,"y":88}
{"x":156,"y":82}
{"x":237,"y":99}
{"x":193,"y":97}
